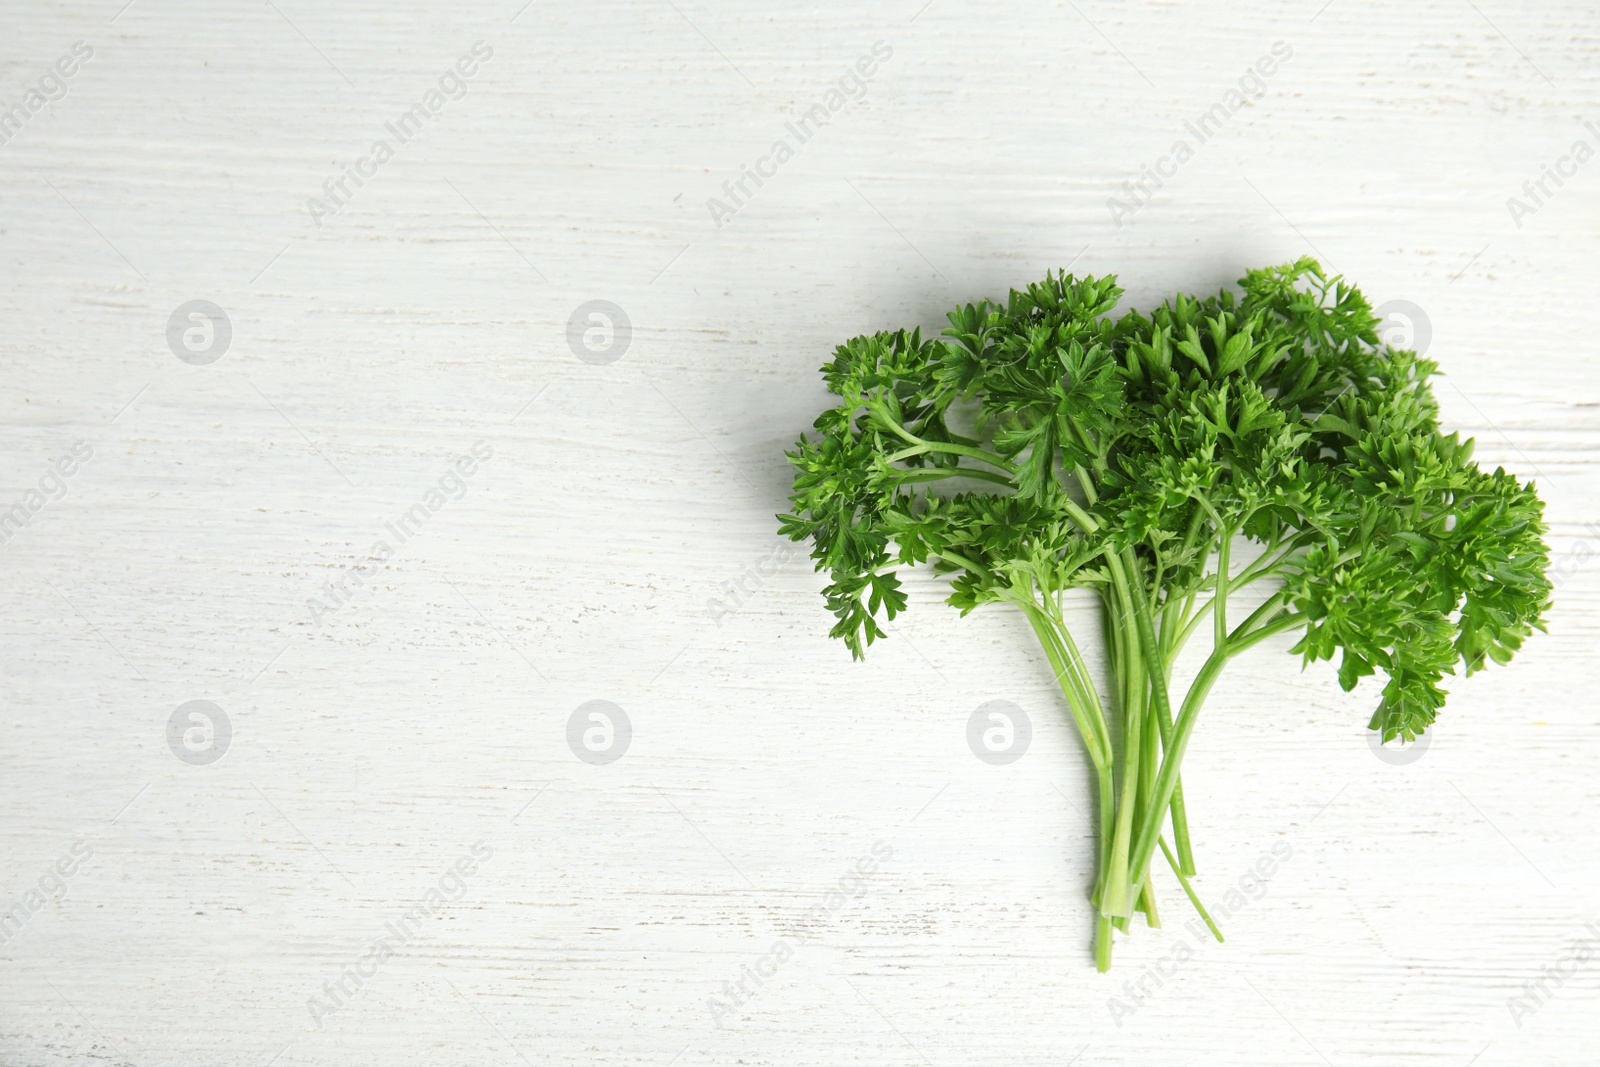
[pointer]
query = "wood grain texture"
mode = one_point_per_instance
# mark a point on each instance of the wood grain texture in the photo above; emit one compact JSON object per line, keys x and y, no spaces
{"x":372,"y":747}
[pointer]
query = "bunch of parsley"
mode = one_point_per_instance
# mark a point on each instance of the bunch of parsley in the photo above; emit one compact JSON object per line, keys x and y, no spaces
{"x":1135,"y":456}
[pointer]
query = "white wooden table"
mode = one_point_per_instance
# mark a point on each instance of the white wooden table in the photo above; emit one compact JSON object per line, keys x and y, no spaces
{"x":408,"y":736}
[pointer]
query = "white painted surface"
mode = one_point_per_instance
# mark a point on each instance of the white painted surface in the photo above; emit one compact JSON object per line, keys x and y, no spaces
{"x":370,"y":752}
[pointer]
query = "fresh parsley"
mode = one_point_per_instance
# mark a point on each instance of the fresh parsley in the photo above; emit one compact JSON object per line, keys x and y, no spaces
{"x":1047,"y":444}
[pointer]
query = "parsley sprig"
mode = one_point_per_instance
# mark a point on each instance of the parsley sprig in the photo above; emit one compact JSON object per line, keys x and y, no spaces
{"x":1264,"y":441}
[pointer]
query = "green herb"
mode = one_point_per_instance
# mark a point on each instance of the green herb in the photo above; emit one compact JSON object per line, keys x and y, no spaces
{"x":1045,"y":444}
